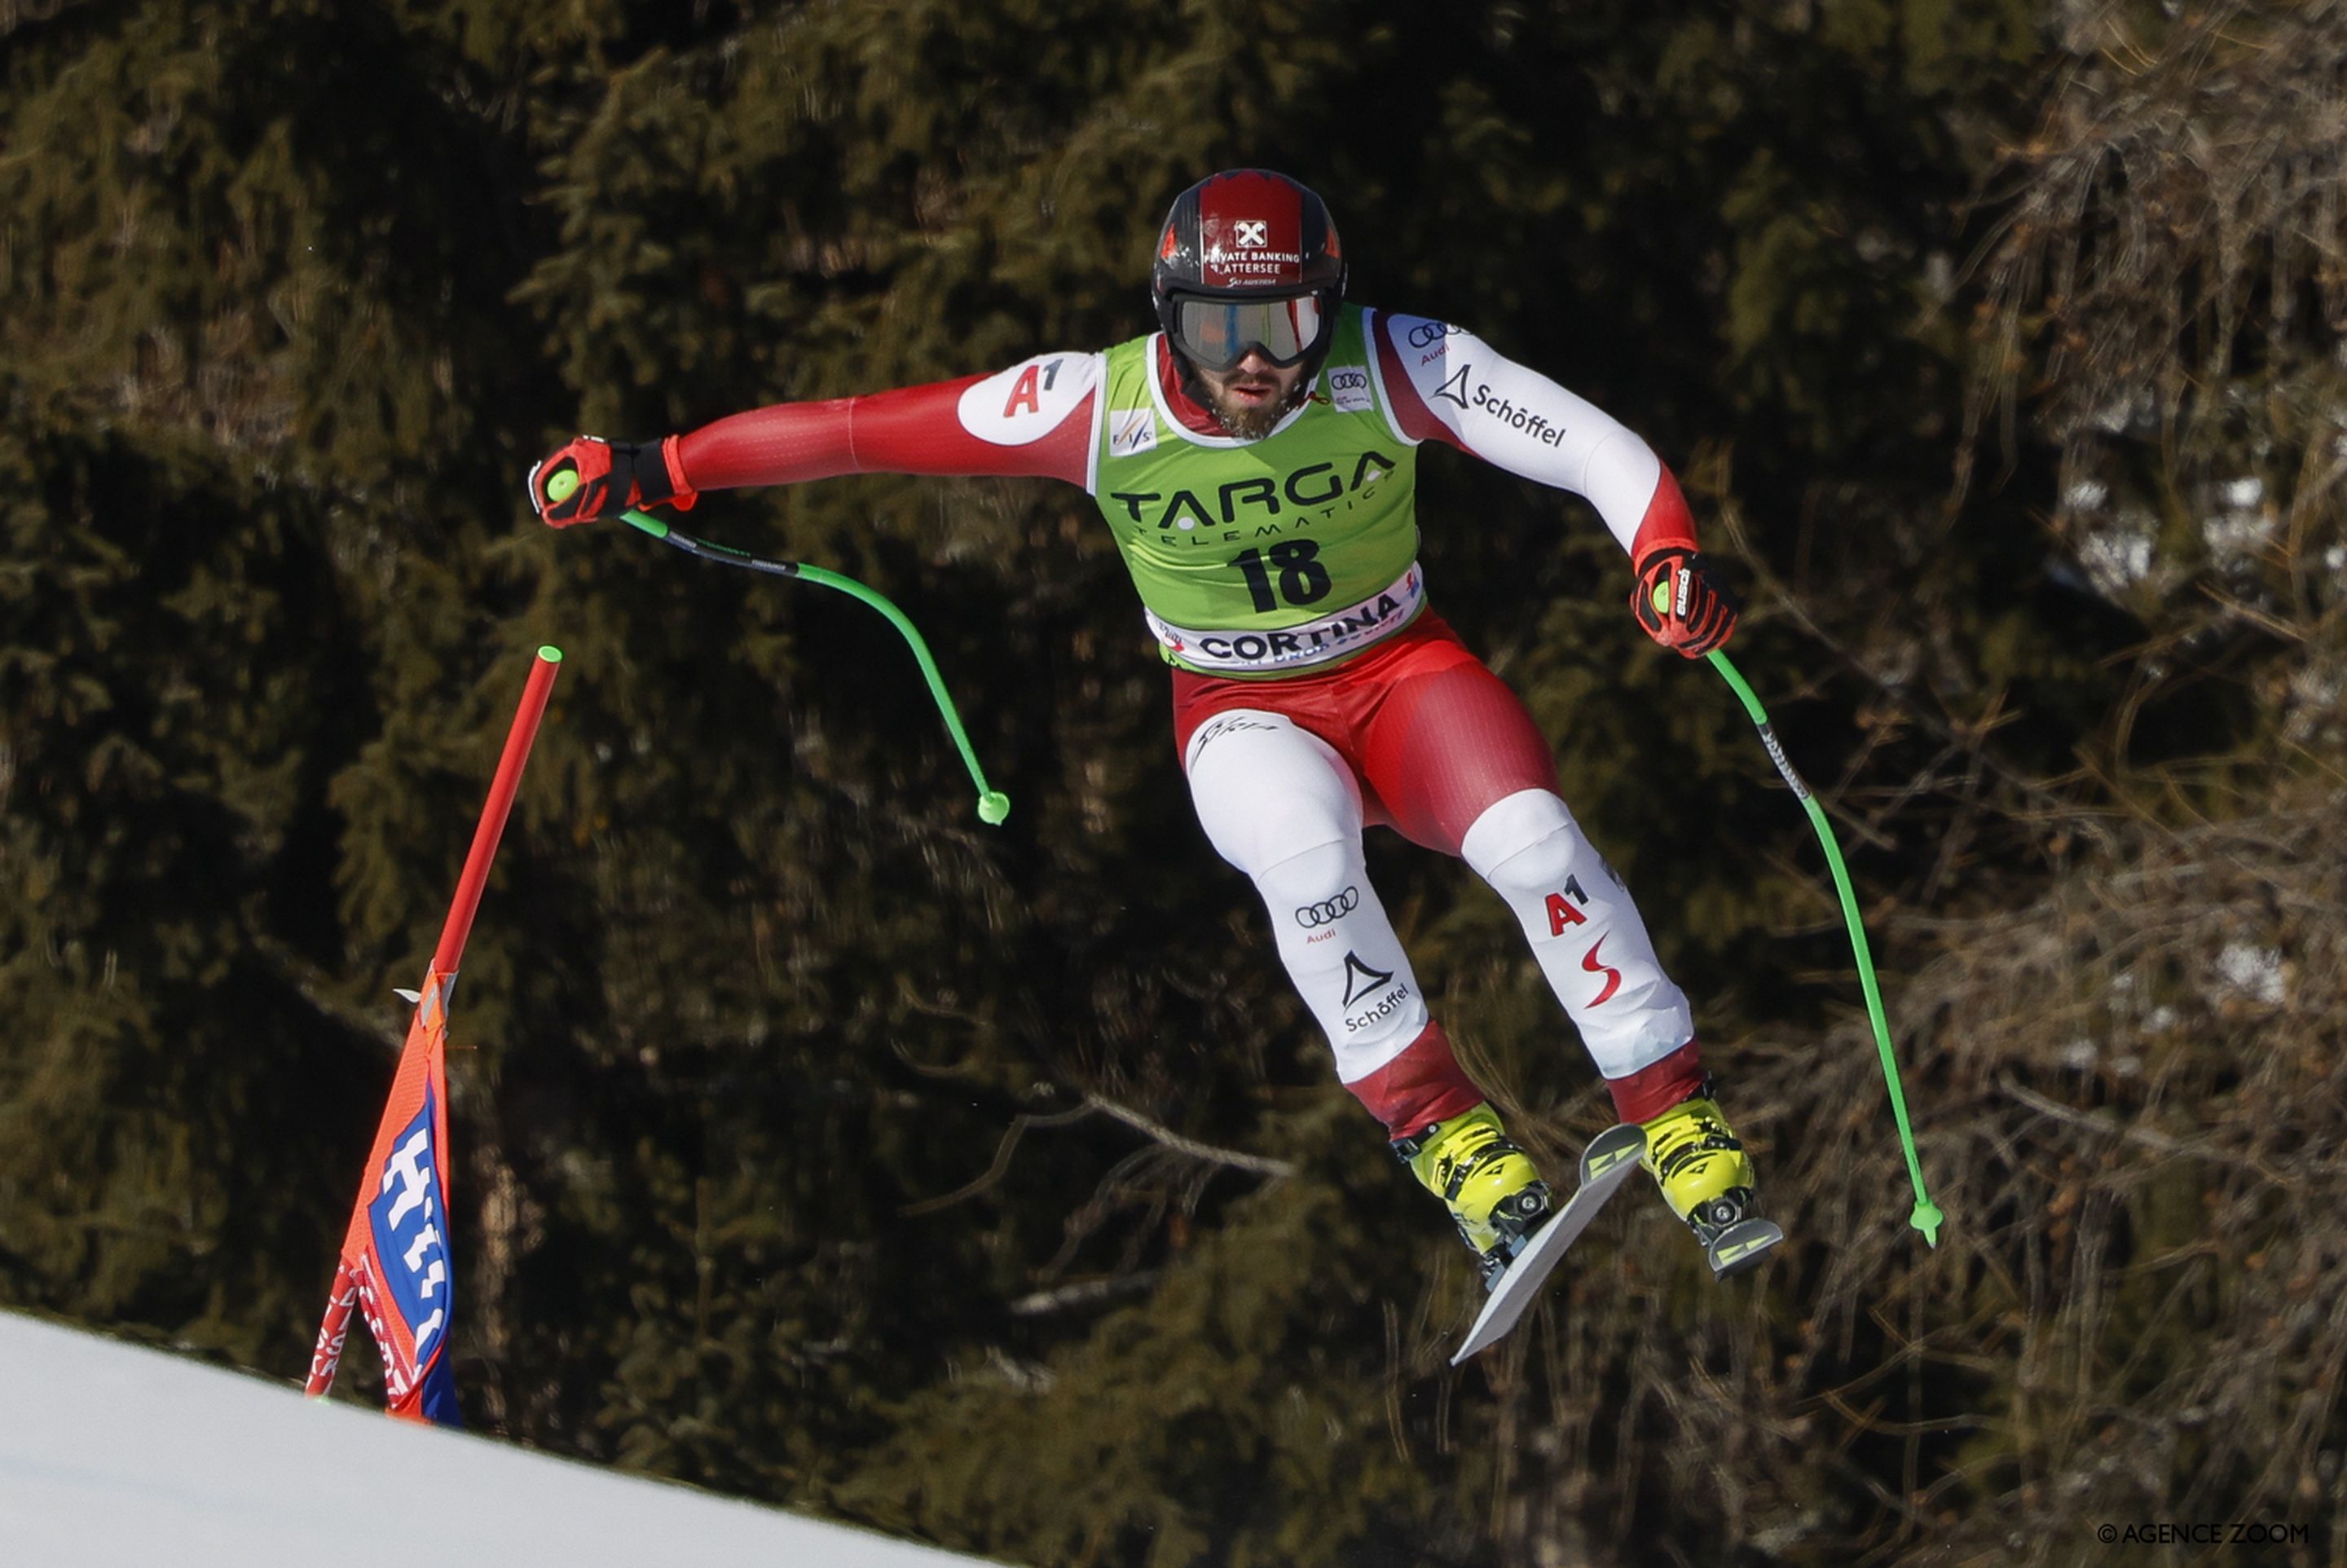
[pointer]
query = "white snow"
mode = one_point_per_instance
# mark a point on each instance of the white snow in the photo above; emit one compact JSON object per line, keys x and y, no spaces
{"x":2242,"y":526}
{"x":2118,"y":556}
{"x":114,"y":1455}
{"x":2255,"y":971}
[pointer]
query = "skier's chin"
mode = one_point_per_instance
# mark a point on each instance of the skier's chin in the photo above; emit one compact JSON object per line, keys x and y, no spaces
{"x":1249,"y":418}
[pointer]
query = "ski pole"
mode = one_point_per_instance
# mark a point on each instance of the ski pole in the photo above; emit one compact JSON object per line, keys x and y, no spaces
{"x":1926,"y":1216}
{"x":993,"y":806}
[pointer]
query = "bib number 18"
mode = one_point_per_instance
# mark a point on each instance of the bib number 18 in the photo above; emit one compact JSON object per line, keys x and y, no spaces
{"x":1302,"y":579}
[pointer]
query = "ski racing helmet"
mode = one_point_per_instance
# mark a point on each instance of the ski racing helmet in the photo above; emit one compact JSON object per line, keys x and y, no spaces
{"x":1248,"y":259}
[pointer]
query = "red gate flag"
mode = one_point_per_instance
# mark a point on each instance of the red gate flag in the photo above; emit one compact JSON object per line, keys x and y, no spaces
{"x":396,"y":1267}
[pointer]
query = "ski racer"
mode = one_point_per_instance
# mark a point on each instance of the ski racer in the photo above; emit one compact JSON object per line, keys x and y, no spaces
{"x":1256,"y":459}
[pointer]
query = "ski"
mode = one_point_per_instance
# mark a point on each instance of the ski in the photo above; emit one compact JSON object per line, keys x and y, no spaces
{"x":1605,"y":1164}
{"x":1741,"y":1246}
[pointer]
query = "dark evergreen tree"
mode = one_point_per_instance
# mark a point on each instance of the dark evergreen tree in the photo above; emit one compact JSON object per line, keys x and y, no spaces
{"x":822,"y":1145}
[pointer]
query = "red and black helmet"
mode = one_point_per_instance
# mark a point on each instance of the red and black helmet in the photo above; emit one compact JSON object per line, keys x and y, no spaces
{"x":1248,"y":259}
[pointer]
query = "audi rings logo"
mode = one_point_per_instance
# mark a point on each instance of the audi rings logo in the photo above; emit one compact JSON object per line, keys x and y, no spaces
{"x":1329,"y":909}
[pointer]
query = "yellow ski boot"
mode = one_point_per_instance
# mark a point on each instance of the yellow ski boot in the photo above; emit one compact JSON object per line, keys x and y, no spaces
{"x":1496,"y":1195}
{"x":1707,"y":1179}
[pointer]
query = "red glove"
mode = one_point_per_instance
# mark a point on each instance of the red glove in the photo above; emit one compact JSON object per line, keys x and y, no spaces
{"x":611,"y":476}
{"x":1682,"y":602}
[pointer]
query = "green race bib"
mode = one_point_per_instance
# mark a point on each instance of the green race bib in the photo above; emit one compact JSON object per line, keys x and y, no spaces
{"x":1262,"y":557}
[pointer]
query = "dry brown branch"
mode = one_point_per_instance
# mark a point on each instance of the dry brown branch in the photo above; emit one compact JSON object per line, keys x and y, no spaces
{"x":1001,"y":1165}
{"x":1082,"y":1293}
{"x":1260,"y":1164}
{"x":1189,"y":1149}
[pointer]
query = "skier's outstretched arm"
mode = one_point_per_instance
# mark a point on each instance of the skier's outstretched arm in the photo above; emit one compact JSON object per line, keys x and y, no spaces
{"x":1445,"y":383}
{"x":1038,"y":418}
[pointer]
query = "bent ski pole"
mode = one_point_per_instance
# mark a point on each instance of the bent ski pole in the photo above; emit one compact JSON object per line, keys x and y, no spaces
{"x":993,"y":806}
{"x":1926,"y":1216}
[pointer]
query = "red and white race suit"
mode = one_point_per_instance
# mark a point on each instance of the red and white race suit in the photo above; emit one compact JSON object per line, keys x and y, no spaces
{"x":1413,"y":732}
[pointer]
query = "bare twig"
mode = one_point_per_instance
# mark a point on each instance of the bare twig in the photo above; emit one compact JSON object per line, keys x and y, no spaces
{"x":1262,"y":1165}
{"x":1002,"y":1151}
{"x":2111,"y":1127}
{"x":1083,"y":1293}
{"x":1156,"y":1131}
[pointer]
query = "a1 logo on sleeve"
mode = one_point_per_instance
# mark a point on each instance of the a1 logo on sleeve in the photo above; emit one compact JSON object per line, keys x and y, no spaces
{"x":1030,"y":400}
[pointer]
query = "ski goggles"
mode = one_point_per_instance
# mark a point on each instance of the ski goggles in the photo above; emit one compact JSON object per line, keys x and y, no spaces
{"x":1217,"y":334}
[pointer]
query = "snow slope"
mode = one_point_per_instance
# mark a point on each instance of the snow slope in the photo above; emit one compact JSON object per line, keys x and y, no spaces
{"x":112,"y":1455}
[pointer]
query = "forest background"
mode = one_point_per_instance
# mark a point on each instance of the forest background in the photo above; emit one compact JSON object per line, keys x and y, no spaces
{"x":820,"y":1145}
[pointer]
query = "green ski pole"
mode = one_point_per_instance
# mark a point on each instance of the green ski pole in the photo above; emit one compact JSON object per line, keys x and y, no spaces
{"x":1926,"y":1216}
{"x":993,"y":806}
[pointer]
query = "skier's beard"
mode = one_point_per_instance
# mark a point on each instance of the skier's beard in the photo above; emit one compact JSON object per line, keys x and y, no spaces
{"x":1252,"y":398}
{"x":1250,"y":422}
{"x":1253,"y":417}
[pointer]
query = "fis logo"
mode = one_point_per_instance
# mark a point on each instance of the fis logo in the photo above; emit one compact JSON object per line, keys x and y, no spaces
{"x":1134,"y":432}
{"x":409,"y":1220}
